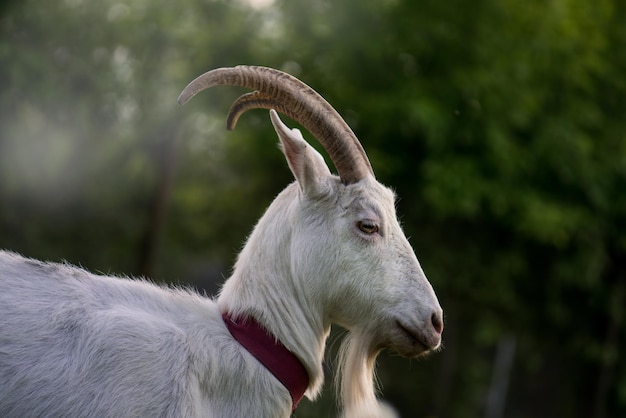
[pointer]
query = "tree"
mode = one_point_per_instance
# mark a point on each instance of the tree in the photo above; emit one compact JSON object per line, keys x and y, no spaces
{"x":499,"y":124}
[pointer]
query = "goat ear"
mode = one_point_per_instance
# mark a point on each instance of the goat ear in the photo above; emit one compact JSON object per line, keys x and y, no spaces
{"x":306,"y":164}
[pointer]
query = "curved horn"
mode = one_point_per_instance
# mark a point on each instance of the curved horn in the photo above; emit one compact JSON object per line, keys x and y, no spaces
{"x":286,"y":94}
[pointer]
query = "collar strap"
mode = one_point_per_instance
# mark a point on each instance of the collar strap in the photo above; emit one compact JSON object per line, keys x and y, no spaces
{"x":276,"y":358}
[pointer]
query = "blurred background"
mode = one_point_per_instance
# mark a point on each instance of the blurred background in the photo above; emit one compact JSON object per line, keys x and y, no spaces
{"x":501,"y":124}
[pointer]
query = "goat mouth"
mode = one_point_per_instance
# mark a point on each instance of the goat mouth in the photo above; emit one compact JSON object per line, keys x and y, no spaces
{"x":416,"y":344}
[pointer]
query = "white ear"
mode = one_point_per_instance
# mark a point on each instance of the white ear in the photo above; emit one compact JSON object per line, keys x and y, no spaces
{"x":306,"y":164}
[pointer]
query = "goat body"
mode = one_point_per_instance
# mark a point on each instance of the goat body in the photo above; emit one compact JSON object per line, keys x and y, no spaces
{"x":329,"y":249}
{"x":74,"y":344}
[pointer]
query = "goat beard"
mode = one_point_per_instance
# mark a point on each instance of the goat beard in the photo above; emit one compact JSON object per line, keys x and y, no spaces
{"x":356,"y":379}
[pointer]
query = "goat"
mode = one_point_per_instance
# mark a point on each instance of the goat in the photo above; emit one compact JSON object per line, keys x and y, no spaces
{"x":329,"y":249}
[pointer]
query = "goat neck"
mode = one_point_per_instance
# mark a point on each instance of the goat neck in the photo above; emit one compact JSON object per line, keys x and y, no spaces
{"x":264,"y":288}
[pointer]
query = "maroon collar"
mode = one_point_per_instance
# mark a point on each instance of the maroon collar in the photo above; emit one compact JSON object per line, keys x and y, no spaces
{"x":276,"y":358}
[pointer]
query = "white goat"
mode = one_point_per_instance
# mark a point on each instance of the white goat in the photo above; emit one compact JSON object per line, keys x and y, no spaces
{"x":328,"y":250}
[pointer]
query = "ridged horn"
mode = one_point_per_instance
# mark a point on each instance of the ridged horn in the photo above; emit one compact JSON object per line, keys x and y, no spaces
{"x":286,"y":94}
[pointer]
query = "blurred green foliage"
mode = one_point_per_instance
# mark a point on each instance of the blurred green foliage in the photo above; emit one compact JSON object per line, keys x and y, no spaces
{"x":500,"y":124}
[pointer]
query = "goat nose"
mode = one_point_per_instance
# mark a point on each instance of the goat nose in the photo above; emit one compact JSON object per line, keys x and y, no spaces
{"x":437,"y":320}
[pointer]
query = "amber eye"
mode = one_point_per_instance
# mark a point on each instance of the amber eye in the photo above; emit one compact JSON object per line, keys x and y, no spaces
{"x":368,"y":227}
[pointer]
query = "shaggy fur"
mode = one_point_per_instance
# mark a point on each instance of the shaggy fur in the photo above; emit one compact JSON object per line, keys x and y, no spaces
{"x":75,"y":344}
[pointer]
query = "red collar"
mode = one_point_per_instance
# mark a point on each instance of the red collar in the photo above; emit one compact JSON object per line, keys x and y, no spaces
{"x":276,"y":358}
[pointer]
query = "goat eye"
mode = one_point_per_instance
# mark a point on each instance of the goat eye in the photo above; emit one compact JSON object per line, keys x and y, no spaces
{"x":368,"y":227}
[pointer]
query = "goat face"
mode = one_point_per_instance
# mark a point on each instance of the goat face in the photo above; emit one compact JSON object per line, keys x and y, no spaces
{"x":350,"y":250}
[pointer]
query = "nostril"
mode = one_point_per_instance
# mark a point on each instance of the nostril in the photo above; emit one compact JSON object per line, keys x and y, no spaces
{"x":437,"y":322}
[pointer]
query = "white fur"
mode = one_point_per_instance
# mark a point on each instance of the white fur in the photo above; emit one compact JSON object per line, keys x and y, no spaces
{"x":76,"y":344}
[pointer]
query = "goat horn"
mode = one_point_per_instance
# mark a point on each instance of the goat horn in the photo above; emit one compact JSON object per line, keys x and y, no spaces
{"x":290,"y":96}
